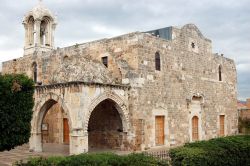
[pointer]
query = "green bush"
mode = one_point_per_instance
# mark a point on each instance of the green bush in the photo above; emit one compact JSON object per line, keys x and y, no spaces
{"x":99,"y":159}
{"x":16,"y":103}
{"x":233,"y":150}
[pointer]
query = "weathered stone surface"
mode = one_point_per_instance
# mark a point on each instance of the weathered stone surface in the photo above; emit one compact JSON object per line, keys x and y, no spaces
{"x":187,"y":85}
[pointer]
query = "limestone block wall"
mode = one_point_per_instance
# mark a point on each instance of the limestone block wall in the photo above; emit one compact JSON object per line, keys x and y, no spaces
{"x":184,"y":73}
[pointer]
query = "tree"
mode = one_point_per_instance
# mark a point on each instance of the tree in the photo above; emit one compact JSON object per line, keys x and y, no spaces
{"x":16,"y":103}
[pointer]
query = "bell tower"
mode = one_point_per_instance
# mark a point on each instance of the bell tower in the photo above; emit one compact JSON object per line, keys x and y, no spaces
{"x":39,"y":24}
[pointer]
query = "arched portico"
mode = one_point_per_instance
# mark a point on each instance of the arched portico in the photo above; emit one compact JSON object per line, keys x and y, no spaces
{"x":119,"y":116}
{"x":39,"y":112}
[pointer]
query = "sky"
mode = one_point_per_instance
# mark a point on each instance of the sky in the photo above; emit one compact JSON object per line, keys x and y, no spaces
{"x":226,"y":23}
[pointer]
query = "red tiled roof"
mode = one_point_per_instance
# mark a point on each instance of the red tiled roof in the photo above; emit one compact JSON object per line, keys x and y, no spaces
{"x":241,"y":105}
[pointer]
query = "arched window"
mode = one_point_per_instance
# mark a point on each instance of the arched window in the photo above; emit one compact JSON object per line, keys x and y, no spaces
{"x":195,"y":128}
{"x":30,"y":38}
{"x":34,"y":70}
{"x":220,"y":77}
{"x":45,"y":36}
{"x":65,"y":59}
{"x":157,"y":61}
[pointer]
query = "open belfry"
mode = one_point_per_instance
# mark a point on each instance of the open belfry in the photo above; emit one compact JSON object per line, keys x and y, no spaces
{"x":133,"y":92}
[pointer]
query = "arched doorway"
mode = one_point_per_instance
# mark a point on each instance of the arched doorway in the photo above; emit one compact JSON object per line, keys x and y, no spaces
{"x":51,"y":126}
{"x":195,"y":117}
{"x":105,"y":127}
{"x":55,"y":129}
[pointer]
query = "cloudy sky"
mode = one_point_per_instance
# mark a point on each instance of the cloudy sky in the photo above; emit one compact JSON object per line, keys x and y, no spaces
{"x":227,"y":23}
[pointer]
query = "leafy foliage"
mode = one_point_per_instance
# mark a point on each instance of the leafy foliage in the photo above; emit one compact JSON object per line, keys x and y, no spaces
{"x":16,"y":103}
{"x":99,"y":159}
{"x":233,"y":150}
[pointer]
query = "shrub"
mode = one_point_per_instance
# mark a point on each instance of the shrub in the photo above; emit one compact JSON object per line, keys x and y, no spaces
{"x":233,"y":150}
{"x":16,"y":103}
{"x":99,"y":159}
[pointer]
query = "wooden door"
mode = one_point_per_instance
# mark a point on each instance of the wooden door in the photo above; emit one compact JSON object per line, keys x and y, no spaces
{"x":159,"y":130}
{"x":195,"y":128}
{"x":222,"y":125}
{"x":65,"y":131}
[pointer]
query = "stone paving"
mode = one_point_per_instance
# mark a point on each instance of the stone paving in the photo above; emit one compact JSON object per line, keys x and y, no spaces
{"x":7,"y":158}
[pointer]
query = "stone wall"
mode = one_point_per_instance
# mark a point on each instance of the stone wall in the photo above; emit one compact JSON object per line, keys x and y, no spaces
{"x":189,"y":70}
{"x":185,"y":72}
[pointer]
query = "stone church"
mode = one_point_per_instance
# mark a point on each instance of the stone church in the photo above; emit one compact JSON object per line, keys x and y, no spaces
{"x":137,"y":91}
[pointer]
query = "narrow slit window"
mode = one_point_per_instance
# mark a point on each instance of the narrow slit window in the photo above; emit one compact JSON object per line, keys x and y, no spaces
{"x":157,"y":61}
{"x":220,"y":77}
{"x":34,"y":66}
{"x":105,"y":61}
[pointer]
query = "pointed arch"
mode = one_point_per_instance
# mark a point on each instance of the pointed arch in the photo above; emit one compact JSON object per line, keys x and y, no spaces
{"x":30,"y":30}
{"x":120,"y":106}
{"x":39,"y":112}
{"x":45,"y":31}
{"x":42,"y":106}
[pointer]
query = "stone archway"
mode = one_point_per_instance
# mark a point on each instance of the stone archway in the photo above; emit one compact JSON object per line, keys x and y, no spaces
{"x":40,"y":110}
{"x":107,"y":123}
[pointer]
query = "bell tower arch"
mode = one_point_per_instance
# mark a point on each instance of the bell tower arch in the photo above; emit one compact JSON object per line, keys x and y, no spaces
{"x":39,"y":24}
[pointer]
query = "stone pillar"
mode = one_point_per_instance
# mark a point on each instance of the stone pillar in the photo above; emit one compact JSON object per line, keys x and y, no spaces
{"x":78,"y":142}
{"x":26,"y":41}
{"x":52,"y":31}
{"x":36,"y":142}
{"x":37,"y":30}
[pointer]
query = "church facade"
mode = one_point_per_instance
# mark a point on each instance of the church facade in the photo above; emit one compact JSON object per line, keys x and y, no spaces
{"x":137,"y":91}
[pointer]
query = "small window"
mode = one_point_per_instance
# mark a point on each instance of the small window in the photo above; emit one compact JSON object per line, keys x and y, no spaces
{"x":105,"y":61}
{"x":34,"y":68}
{"x":192,"y":45}
{"x":220,"y":77}
{"x":222,"y":125}
{"x":65,"y":59}
{"x":157,"y":61}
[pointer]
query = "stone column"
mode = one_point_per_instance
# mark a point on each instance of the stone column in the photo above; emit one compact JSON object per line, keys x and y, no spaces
{"x":52,"y":31}
{"x":26,"y":41}
{"x":78,"y":142}
{"x":37,"y":31}
{"x":36,"y":142}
